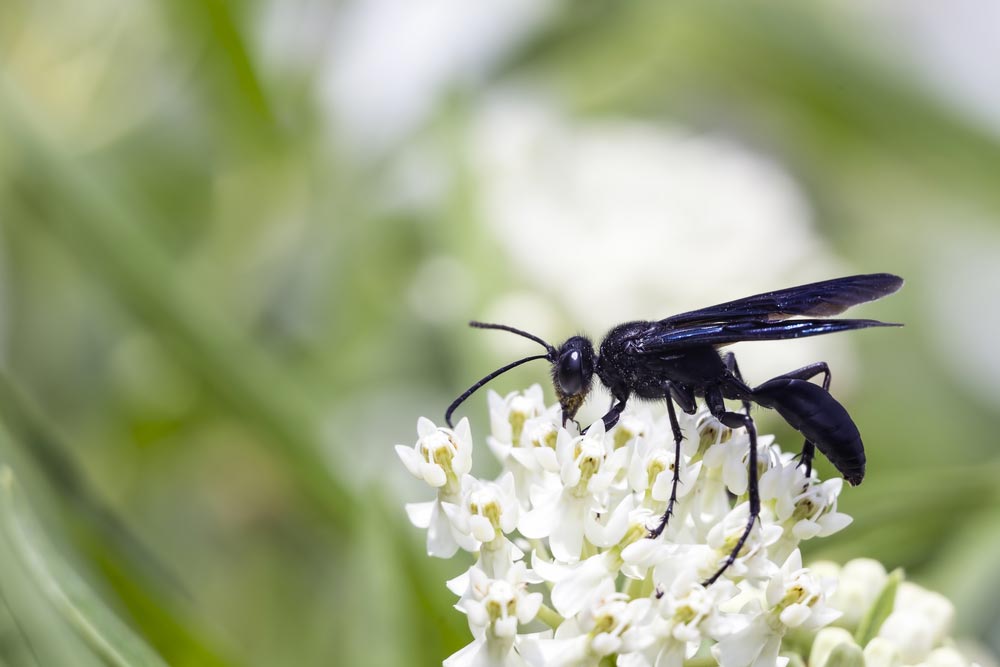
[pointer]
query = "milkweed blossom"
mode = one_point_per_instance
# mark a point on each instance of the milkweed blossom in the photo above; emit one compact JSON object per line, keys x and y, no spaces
{"x":566,"y":575}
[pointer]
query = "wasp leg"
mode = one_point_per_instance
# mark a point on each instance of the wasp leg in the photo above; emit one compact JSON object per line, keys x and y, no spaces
{"x":611,"y":418}
{"x":713,"y":397}
{"x":807,"y":373}
{"x":678,"y":437}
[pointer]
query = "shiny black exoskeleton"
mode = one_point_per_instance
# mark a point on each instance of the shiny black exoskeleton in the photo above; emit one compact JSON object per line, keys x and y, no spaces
{"x":677,"y":360}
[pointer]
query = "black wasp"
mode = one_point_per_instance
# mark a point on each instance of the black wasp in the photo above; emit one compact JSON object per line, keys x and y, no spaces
{"x":678,"y":360}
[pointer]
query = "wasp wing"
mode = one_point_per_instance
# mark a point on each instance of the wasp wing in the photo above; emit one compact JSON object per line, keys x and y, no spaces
{"x":658,"y":339}
{"x":822,"y":299}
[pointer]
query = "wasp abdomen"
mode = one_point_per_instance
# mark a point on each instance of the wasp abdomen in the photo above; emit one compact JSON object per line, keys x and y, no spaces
{"x":817,"y":415}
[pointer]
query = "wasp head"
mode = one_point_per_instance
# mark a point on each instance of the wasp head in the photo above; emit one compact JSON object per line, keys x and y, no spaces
{"x":573,"y":374}
{"x":572,"y":370}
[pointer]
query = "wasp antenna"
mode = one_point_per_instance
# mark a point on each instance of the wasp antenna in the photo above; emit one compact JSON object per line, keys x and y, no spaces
{"x":471,"y":390}
{"x":504,"y":327}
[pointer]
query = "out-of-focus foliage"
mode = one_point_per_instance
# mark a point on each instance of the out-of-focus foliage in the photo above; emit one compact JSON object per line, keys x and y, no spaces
{"x":240,"y":241}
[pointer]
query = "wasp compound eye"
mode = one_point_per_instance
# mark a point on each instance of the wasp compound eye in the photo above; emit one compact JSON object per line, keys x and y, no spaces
{"x":570,"y":372}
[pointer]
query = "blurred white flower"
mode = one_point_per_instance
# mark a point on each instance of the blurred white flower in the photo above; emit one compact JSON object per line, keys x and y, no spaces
{"x":391,"y":61}
{"x":946,"y":46}
{"x":859,"y":583}
{"x":827,"y":640}
{"x":629,"y":193}
{"x":919,"y":621}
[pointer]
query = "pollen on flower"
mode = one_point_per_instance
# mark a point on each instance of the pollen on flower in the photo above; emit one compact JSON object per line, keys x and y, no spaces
{"x":561,"y":537}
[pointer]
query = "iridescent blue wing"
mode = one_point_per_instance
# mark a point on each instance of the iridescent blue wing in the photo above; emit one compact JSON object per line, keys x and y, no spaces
{"x":658,"y":339}
{"x":822,"y":299}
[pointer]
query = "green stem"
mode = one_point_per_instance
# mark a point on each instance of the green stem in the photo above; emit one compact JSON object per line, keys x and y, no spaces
{"x":705,"y":661}
{"x":637,"y":588}
{"x":549,"y":617}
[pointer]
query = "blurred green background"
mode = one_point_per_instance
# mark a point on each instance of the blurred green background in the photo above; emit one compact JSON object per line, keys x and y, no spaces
{"x":240,"y":242}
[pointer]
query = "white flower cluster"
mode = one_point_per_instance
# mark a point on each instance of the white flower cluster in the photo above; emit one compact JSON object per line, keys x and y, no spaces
{"x":578,"y":509}
{"x":886,"y":622}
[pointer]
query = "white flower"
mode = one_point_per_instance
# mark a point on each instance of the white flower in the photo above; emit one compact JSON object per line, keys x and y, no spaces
{"x":798,"y":597}
{"x":588,"y":467}
{"x":495,"y":608}
{"x":685,"y":615}
{"x":509,"y":414}
{"x":589,"y":463}
{"x":443,"y":538}
{"x":724,"y":472}
{"x":793,"y":598}
{"x":651,"y":470}
{"x":501,"y":602}
{"x":575,"y":584}
{"x":584,"y":505}
{"x":805,"y":508}
{"x":487,"y":510}
{"x":441,"y":456}
{"x":946,"y":656}
{"x":732,"y":456}
{"x":751,"y":561}
{"x":610,"y":623}
{"x":524,"y":434}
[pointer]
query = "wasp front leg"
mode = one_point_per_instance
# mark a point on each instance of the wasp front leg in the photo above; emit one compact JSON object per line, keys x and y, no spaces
{"x":686,"y":401}
{"x":612,"y":416}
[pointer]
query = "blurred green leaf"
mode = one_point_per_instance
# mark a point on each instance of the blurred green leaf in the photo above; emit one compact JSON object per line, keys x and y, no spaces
{"x":795,"y":74}
{"x":873,"y":619}
{"x":135,"y":573}
{"x":96,"y":228}
{"x":74,"y":601}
